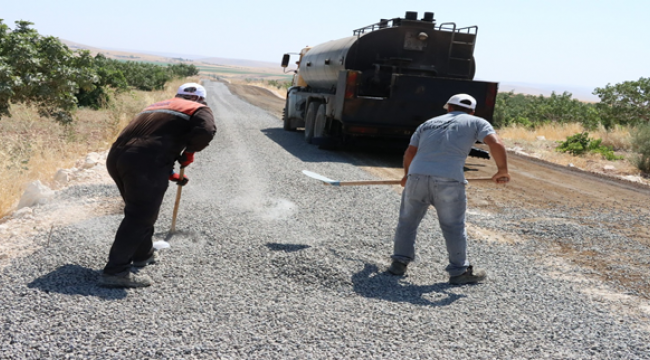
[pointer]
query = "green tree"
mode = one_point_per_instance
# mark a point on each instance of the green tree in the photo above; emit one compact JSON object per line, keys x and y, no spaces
{"x":40,"y":70}
{"x":627,"y":103}
{"x":43,"y":71}
{"x":183,"y":70}
{"x":531,"y":111}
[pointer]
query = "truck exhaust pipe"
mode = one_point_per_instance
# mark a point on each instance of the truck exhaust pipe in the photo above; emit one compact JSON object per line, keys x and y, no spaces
{"x":411,"y":15}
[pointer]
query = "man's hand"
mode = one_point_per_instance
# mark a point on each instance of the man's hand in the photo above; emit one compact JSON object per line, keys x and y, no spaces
{"x":501,"y":177}
{"x":409,"y":154}
{"x":186,"y":158}
{"x":403,"y":183}
{"x":175,"y":177}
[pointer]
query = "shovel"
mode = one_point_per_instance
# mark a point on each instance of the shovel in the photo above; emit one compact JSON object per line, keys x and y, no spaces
{"x":178,"y":200}
{"x":328,"y":181}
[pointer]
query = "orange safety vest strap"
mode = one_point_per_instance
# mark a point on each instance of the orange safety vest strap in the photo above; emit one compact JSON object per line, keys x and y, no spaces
{"x":175,"y":106}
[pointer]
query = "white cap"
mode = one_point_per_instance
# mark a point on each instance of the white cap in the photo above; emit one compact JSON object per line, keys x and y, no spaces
{"x":191,"y":89}
{"x":463,"y":100}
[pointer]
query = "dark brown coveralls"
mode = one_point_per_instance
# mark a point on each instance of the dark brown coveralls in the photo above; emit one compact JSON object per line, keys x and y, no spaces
{"x":141,"y":161}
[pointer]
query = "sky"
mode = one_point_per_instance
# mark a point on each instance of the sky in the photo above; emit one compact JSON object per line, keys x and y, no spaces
{"x":558,"y":43}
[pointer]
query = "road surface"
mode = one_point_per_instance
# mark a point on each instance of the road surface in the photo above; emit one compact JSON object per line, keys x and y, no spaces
{"x":269,"y":264}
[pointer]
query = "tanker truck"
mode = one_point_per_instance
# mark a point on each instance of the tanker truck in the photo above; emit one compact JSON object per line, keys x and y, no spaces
{"x":384,"y":80}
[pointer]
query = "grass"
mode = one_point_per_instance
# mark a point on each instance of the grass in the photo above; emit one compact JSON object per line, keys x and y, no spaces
{"x":542,"y":141}
{"x":619,"y":137}
{"x":35,"y":148}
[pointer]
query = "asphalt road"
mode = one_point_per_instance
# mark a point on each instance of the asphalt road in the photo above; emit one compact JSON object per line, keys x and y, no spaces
{"x":269,"y":264}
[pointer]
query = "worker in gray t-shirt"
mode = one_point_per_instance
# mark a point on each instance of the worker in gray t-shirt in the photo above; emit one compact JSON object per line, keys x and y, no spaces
{"x":433,"y":175}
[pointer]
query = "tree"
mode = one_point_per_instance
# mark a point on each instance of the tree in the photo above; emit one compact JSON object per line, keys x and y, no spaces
{"x":45,"y":72}
{"x":40,"y":70}
{"x":627,"y":103}
{"x":530,"y":111}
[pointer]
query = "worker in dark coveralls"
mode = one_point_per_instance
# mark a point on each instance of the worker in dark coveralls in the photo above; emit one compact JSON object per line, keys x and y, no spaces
{"x":433,"y":175}
{"x":141,"y":162}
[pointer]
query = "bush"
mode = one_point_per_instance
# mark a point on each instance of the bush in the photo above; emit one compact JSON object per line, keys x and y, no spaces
{"x":641,"y":144}
{"x":580,"y":144}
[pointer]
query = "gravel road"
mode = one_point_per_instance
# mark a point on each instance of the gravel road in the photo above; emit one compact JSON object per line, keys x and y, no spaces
{"x":269,"y":264}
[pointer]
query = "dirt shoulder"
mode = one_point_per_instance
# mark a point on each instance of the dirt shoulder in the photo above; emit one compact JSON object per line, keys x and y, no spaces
{"x":553,"y":196}
{"x":260,"y":97}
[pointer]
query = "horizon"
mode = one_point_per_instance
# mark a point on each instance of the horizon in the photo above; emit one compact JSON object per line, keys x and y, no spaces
{"x":580,"y":93}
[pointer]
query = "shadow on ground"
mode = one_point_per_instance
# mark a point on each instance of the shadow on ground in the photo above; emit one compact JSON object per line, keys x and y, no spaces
{"x":286,"y":247}
{"x":75,"y":280}
{"x":370,"y":283}
{"x":366,"y":152}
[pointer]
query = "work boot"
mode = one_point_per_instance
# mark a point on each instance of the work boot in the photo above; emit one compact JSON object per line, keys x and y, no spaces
{"x":470,"y":276}
{"x":151,"y":260}
{"x":129,"y":280}
{"x":397,"y":268}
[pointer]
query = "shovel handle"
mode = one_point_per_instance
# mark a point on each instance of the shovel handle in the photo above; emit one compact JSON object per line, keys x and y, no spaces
{"x":367,"y":182}
{"x":381,"y":182}
{"x":178,"y":200}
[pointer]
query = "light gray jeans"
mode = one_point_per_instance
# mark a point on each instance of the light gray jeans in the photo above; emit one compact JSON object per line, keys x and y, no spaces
{"x":450,"y":201}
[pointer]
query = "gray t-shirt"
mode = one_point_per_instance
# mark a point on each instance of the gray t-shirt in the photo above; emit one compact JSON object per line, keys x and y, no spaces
{"x":444,"y":142}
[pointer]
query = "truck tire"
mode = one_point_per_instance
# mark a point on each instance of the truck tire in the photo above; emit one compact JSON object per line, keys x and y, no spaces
{"x":285,"y":118}
{"x":310,"y":118}
{"x":320,"y":122}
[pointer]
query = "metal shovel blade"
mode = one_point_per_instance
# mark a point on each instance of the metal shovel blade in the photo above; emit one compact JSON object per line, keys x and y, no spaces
{"x":320,"y":177}
{"x":328,"y":181}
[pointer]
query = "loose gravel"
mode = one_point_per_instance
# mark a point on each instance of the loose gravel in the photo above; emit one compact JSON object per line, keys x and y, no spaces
{"x":269,"y":264}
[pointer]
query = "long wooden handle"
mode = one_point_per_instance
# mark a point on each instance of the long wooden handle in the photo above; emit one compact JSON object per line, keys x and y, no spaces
{"x":369,"y":182}
{"x":384,"y":182}
{"x":178,"y":199}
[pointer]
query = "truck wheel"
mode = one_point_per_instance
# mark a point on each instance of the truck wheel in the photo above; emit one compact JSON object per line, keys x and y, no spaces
{"x":286,"y":122}
{"x":320,"y":122}
{"x":285,"y":118}
{"x":310,"y":118}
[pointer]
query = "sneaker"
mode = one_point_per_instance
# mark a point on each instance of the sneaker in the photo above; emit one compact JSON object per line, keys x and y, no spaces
{"x":151,"y":260}
{"x":470,"y":276}
{"x":129,"y":280}
{"x":397,"y":268}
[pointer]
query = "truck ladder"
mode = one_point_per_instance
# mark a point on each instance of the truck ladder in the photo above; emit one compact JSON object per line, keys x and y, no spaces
{"x":457,"y":46}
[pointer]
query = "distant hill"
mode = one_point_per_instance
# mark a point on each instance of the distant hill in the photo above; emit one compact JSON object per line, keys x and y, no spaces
{"x":160,"y":56}
{"x":243,"y":68}
{"x":123,"y":55}
{"x":241,"y":62}
{"x":252,"y":66}
{"x":580,"y":93}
